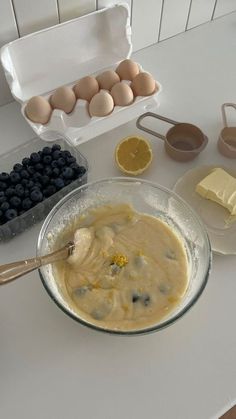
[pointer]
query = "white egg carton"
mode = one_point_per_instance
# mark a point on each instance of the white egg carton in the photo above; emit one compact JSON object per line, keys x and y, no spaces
{"x":39,"y":63}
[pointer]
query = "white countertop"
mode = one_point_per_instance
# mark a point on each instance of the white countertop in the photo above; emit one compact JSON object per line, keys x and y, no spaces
{"x":52,"y":367}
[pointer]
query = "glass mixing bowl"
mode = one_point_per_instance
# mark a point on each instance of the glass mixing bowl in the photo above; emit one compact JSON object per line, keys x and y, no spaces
{"x":145,"y":197}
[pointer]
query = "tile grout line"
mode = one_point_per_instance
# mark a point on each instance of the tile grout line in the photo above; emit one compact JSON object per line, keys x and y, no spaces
{"x":58,"y":11}
{"x":189,"y":11}
{"x":161,"y":16}
{"x":131,"y":12}
{"x":214,"y":8}
{"x":15,"y":17}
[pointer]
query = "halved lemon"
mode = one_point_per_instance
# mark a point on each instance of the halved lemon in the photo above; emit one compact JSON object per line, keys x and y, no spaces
{"x":133,"y":155}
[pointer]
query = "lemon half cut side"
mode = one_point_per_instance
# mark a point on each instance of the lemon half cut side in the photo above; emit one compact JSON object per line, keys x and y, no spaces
{"x":133,"y":155}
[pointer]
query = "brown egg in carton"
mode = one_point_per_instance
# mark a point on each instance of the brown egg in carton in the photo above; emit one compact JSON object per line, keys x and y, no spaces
{"x":79,"y":106}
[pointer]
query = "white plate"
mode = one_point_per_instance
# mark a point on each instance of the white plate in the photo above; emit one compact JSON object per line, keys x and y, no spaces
{"x":221,"y":227}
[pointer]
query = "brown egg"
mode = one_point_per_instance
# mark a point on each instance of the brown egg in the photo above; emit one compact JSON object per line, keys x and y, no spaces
{"x":143,"y":84}
{"x":38,"y":110}
{"x":63,"y":98}
{"x":86,"y":88}
{"x":101,"y":104}
{"x":127,"y":70}
{"x":107,"y":79}
{"x":122,"y":94}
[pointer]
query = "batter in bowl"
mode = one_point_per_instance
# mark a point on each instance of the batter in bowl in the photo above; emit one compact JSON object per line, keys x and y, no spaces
{"x":130,"y":272}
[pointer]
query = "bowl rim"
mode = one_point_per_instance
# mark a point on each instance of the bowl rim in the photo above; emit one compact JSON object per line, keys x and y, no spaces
{"x":145,"y":330}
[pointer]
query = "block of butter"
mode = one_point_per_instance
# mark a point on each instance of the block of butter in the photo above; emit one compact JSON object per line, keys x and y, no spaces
{"x":219,"y":187}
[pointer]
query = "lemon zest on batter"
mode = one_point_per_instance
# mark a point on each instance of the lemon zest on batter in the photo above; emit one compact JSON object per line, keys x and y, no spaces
{"x":119,"y":260}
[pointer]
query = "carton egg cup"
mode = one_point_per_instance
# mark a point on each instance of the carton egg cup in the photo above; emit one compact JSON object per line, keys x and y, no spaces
{"x":39,"y":63}
{"x":78,"y":126}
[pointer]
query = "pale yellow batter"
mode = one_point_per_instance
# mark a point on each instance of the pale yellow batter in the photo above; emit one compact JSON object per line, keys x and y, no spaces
{"x":129,"y":271}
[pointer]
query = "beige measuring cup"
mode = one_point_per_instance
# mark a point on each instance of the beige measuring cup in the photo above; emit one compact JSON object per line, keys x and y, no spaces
{"x":227,"y":137}
{"x":183,"y":141}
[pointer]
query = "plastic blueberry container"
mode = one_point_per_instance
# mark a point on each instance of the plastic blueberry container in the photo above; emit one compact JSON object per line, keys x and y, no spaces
{"x":39,"y":211}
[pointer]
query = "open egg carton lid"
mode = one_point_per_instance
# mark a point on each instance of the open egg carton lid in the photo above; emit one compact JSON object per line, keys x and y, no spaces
{"x":39,"y":63}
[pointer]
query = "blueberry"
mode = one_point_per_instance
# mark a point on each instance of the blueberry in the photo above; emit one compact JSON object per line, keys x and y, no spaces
{"x":30,"y":184}
{"x":67,"y":173}
{"x":24,"y":182}
{"x":36,"y":177}
{"x":66,"y":153}
{"x":146,"y":299}
{"x":26,"y":204}
{"x":26,"y":161}
{"x":54,"y":164}
{"x":36,"y":195}
{"x":17,"y":167}
{"x":70,"y":159}
{"x":9,"y":192}
{"x":4,"y":177}
{"x":44,"y":180}
{"x":61,"y":162}
{"x":56,"y":154}
{"x":135,"y":297}
{"x":19,"y":190}
{"x":74,"y":166}
{"x":50,"y":190}
{"x":55,"y":172}
{"x":2,"y":199}
{"x":59,"y":183}
{"x":4,"y":206}
{"x":47,"y":159}
{"x":10,"y":214}
{"x":2,"y":193}
{"x":26,"y":193}
{"x":46,"y":151}
{"x":15,"y":201}
{"x":47,"y":171}
{"x":15,"y":177}
{"x":37,"y":185}
{"x":81,"y":171}
{"x":39,"y":167}
{"x":24,"y":174}
{"x":3,"y":186}
{"x":35,"y":158}
{"x":31,"y":170}
{"x":56,"y":147}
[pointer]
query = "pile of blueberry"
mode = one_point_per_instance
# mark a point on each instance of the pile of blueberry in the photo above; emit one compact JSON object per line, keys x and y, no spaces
{"x":35,"y":179}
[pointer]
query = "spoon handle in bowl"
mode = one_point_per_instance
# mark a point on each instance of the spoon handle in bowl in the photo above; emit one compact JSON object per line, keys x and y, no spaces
{"x":15,"y":270}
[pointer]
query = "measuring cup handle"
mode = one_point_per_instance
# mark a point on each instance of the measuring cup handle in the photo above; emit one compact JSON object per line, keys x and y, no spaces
{"x":153,"y":115}
{"x":225,"y":105}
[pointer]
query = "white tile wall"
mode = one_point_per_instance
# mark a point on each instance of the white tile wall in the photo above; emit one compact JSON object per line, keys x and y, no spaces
{"x":201,"y":11}
{"x":174,"y":17}
{"x":224,"y":6}
{"x":69,"y":9}
{"x":33,"y":15}
{"x":145,"y":22}
{"x":152,"y":20}
{"x":107,"y":3}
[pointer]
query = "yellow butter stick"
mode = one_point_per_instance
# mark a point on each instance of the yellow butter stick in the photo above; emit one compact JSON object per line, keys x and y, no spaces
{"x":219,"y":186}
